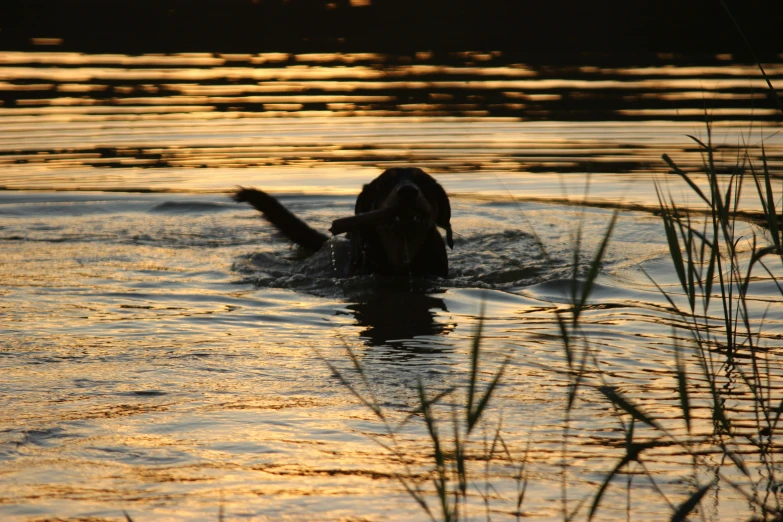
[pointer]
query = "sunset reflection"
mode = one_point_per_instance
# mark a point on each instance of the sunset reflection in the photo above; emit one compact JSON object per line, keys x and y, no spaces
{"x":168,"y":343}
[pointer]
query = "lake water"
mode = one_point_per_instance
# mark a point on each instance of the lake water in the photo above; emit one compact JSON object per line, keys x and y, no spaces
{"x":163,"y":350}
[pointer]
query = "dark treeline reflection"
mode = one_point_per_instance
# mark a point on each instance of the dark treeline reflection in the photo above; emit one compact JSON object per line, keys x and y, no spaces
{"x":466,"y":83}
{"x":569,"y":26}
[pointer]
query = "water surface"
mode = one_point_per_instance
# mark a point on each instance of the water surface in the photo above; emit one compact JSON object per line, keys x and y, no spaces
{"x":164,"y":349}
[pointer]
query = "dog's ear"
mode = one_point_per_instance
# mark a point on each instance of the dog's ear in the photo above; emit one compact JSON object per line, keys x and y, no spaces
{"x":366,"y":198}
{"x":373,"y":193}
{"x":437,"y":196}
{"x":444,"y":214}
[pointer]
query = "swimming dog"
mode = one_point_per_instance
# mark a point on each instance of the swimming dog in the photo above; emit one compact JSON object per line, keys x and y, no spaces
{"x":393,"y":230}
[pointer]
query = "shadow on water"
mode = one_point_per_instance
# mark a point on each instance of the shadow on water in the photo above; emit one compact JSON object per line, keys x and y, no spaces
{"x":401,"y":312}
{"x":392,"y":311}
{"x":397,"y":319}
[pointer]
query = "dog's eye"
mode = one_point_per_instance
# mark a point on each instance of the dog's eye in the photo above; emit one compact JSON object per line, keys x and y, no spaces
{"x":416,"y":219}
{"x":397,"y":219}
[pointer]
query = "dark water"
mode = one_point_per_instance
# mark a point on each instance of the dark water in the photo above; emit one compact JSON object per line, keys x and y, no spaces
{"x":163,"y":349}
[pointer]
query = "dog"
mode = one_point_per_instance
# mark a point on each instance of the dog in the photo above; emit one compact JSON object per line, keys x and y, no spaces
{"x":393,"y":230}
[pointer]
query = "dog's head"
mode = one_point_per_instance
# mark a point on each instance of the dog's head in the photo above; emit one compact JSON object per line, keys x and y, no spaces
{"x":417,"y":204}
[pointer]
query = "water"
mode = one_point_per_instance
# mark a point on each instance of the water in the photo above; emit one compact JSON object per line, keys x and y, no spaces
{"x":164,"y":350}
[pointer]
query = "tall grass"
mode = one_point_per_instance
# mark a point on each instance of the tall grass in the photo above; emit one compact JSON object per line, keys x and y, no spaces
{"x":715,"y":277}
{"x":719,"y":352}
{"x":459,"y":460}
{"x":451,"y":419}
{"x":715,"y":265}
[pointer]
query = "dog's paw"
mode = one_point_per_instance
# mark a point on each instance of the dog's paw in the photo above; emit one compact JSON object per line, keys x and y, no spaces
{"x":243,"y":195}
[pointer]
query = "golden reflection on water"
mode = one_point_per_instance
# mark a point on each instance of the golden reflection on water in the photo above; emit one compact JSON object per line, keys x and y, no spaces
{"x":142,"y":356}
{"x":214,"y":392}
{"x":320,"y":76}
{"x":65,"y":111}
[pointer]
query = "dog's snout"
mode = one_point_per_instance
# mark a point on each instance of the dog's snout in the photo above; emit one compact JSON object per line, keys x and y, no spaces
{"x":408,"y":191}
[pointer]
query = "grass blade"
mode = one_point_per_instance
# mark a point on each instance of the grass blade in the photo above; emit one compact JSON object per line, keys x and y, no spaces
{"x":419,"y":411}
{"x":627,"y":406}
{"x":599,"y":495}
{"x":710,"y":276}
{"x":441,"y":480}
{"x":474,"y":358}
{"x":686,"y":507}
{"x":566,"y":338}
{"x":459,"y":457}
{"x":697,"y":140}
{"x":417,"y":496}
{"x":595,"y":266}
{"x":736,"y":459}
{"x":772,"y":218}
{"x":682,"y":383}
{"x":429,"y":419}
{"x":685,"y":177}
{"x":372,"y":406}
{"x":474,"y":416}
{"x":668,"y":217}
